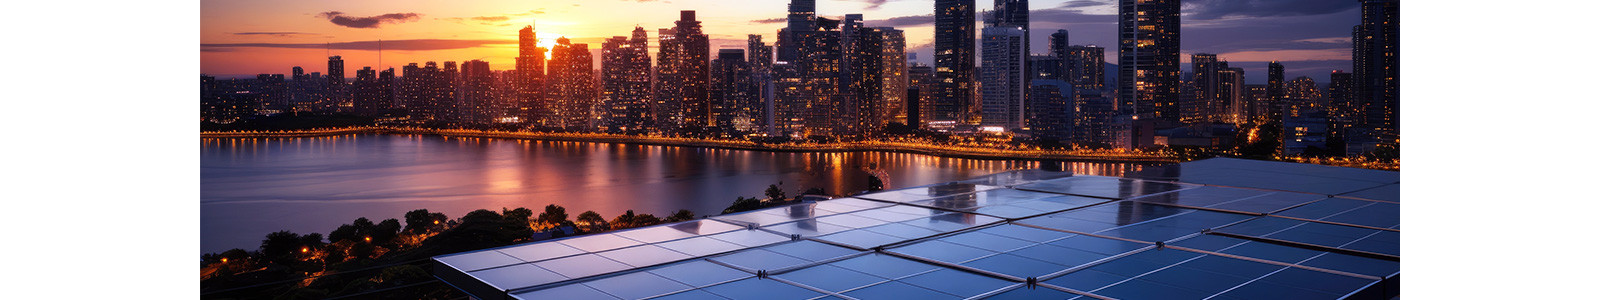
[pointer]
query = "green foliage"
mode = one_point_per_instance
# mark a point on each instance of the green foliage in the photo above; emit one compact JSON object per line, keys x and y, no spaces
{"x":743,"y":204}
{"x":595,"y":221}
{"x":553,"y":215}
{"x":775,"y":194}
{"x":630,"y":220}
{"x":421,"y":220}
{"x":280,"y":246}
{"x":521,"y":214}
{"x":680,"y":216}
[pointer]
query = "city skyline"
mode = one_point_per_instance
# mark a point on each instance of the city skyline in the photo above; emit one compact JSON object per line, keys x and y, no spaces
{"x":1310,"y":39}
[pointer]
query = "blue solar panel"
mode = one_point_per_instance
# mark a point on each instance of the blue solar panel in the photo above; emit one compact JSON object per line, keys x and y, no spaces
{"x":1080,"y":236}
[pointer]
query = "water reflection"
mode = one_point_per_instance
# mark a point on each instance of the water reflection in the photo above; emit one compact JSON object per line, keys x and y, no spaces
{"x":250,"y":187}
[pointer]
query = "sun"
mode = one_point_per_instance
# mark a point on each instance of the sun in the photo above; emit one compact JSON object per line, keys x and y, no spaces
{"x":548,"y":42}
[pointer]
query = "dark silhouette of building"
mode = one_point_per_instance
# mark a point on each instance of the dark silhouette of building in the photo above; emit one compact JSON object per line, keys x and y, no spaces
{"x":695,"y":57}
{"x":1004,"y":76}
{"x":1376,"y":57}
{"x":571,"y":84}
{"x":954,"y":55}
{"x":1148,"y":40}
{"x":1275,"y":93}
{"x":337,"y":91}
{"x":530,"y":77}
{"x":625,"y":77}
{"x":734,"y":93}
{"x":668,"y":83}
{"x":477,"y":93}
{"x":802,"y":17}
{"x":1051,"y":111}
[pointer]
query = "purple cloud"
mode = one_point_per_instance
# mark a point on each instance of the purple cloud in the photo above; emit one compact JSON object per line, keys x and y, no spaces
{"x":339,"y":18}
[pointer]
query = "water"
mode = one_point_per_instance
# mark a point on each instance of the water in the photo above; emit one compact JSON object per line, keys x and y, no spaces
{"x":251,"y":187}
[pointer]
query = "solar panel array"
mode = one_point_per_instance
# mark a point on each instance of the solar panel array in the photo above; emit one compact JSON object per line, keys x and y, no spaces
{"x":1195,"y":233}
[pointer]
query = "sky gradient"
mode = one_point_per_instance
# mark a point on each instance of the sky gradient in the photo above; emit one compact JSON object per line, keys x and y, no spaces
{"x":1310,"y":37}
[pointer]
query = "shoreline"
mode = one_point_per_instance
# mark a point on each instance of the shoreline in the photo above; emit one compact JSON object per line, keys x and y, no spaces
{"x":897,"y":147}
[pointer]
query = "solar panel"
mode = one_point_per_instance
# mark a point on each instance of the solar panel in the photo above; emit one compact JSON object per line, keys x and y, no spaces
{"x":1026,"y":234}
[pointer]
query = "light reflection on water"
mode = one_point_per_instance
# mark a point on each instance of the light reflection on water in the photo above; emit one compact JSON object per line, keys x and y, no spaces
{"x":250,"y":187}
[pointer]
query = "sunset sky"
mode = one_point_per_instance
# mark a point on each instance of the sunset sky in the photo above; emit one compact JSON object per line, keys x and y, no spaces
{"x":1310,"y":37}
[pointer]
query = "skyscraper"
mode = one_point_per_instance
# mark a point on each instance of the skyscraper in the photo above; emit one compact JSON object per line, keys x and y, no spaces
{"x":572,"y":84}
{"x":920,"y":77}
{"x":1376,"y":57}
{"x":818,"y":64}
{"x":364,"y":91}
{"x":802,"y":17}
{"x":695,"y":56}
{"x":734,"y":97}
{"x":668,"y":85}
{"x":955,"y":27}
{"x":1014,"y":14}
{"x":1086,"y":67}
{"x":1275,"y":92}
{"x":1051,"y":111}
{"x":477,"y":86}
{"x":1004,"y":76}
{"x":1147,"y":54}
{"x":895,"y":79}
{"x":1206,"y":106}
{"x":625,"y":77}
{"x":530,"y":77}
{"x":337,"y":92}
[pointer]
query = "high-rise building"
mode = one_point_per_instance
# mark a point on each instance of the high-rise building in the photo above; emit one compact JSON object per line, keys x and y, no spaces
{"x":571,"y":84}
{"x":920,"y":76}
{"x":1275,"y":92}
{"x":894,"y":76}
{"x":668,"y":85}
{"x":1231,"y":99}
{"x":427,"y":93}
{"x":1003,"y":76}
{"x":338,"y":93}
{"x":695,"y":57}
{"x":386,"y":90}
{"x":1300,"y":96}
{"x":365,"y":91}
{"x":1014,"y":14}
{"x":760,"y":59}
{"x":1148,"y":40}
{"x":625,"y":78}
{"x":955,"y":28}
{"x":1376,"y":56}
{"x":477,"y":93}
{"x":1085,"y":67}
{"x":1051,"y":109}
{"x":818,"y":66}
{"x":1205,"y":105}
{"x":734,"y":95}
{"x":802,"y":17}
{"x":529,"y":83}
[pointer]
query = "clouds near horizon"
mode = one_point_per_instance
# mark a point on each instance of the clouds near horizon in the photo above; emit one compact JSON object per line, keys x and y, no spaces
{"x":341,"y":19}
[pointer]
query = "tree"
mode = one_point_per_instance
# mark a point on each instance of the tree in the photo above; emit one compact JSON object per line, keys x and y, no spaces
{"x":279,"y":246}
{"x":680,"y":216}
{"x":594,"y":220}
{"x":521,"y":215}
{"x":421,"y":220}
{"x":625,"y":220}
{"x":744,"y":204}
{"x":385,"y":232}
{"x":775,"y":194}
{"x":553,"y":215}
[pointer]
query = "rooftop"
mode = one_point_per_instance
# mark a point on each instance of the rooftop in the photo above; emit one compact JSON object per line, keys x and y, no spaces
{"x":1216,"y":228}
